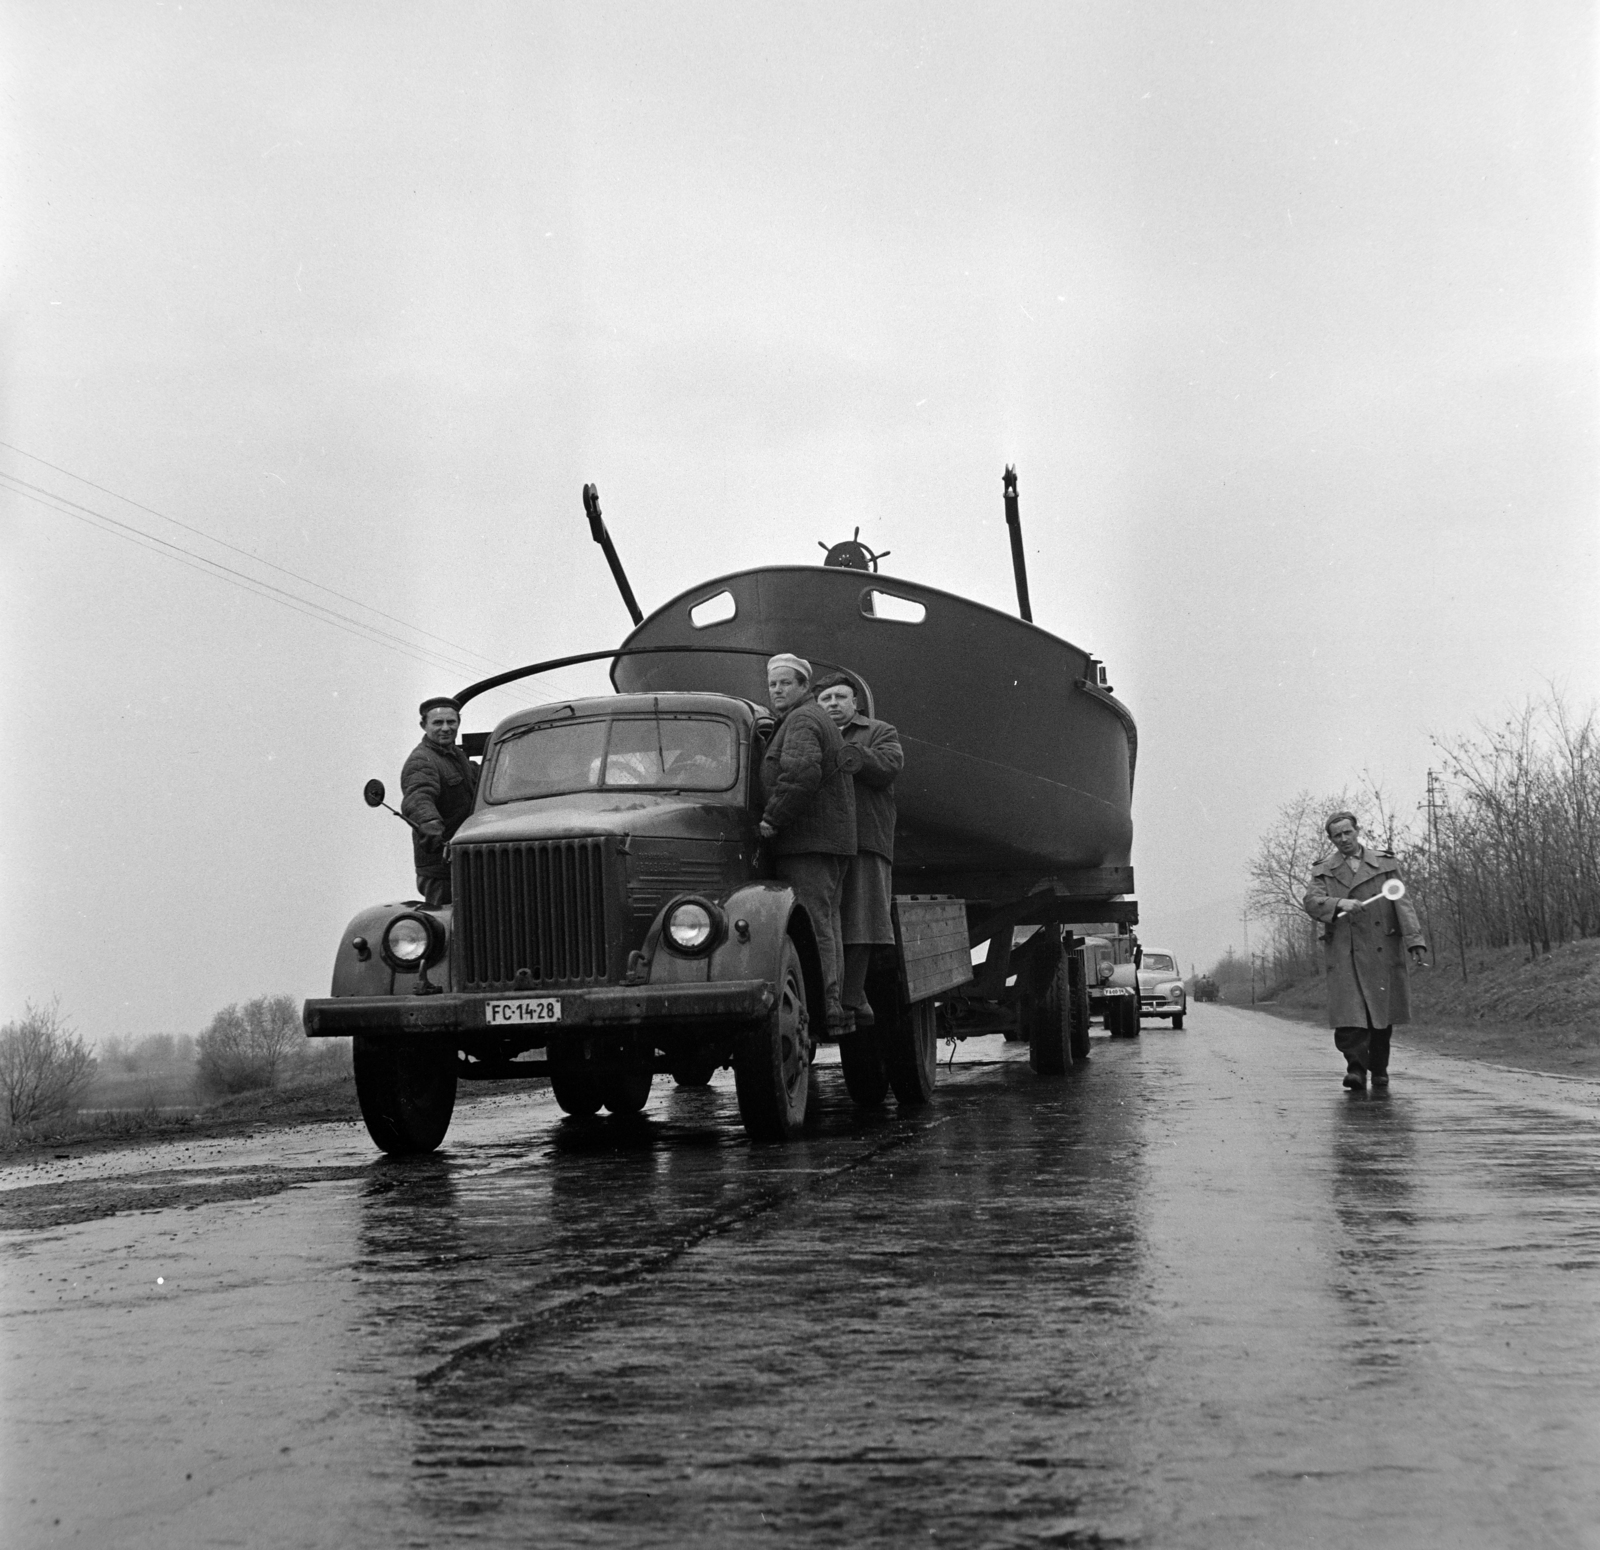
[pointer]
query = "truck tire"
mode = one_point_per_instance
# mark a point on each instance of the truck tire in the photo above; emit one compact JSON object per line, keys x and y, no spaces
{"x":1049,"y":1015}
{"x":625,"y":1089}
{"x":694,"y":1070}
{"x":1078,"y":1037}
{"x":1127,"y":1018}
{"x":911,"y":1054}
{"x":573,"y":1082}
{"x":772,"y":1061}
{"x":407,"y":1092}
{"x":866,"y":1077}
{"x":1177,"y":1022}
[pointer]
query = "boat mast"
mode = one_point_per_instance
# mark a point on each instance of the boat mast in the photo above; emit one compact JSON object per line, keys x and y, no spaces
{"x":1019,"y":563}
{"x":597,"y":531}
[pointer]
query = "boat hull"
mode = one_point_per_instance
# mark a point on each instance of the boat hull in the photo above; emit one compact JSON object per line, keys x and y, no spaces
{"x":1019,"y":767}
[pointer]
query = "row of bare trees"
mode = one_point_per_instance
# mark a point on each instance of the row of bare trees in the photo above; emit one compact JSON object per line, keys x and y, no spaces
{"x":1503,"y":848}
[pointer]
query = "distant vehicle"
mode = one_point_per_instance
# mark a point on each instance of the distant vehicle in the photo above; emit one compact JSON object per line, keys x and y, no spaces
{"x":1161,"y":992}
{"x":1113,"y":992}
{"x":1205,"y":988}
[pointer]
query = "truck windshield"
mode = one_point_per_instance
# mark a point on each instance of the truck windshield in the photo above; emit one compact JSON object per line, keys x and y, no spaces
{"x":664,"y":753}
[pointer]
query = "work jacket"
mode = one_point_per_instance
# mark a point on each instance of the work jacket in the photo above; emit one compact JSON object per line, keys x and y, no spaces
{"x":1365,"y":951}
{"x":810,"y":799}
{"x":873,"y":755}
{"x":437,"y":788}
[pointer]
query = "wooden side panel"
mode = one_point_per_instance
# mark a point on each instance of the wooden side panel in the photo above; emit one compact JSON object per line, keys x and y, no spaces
{"x":932,"y":936}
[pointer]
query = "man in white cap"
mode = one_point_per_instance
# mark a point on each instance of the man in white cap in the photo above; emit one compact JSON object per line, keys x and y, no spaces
{"x":809,"y":819}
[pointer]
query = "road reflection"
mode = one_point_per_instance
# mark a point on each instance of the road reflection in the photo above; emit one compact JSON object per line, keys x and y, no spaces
{"x":659,"y":1326}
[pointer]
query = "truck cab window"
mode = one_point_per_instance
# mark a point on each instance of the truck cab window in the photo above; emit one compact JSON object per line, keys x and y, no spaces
{"x":663,"y":753}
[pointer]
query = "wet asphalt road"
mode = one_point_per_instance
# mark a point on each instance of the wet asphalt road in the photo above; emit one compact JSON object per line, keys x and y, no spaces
{"x":1190,"y":1295}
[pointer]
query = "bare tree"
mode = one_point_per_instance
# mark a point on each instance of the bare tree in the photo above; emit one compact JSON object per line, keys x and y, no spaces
{"x":45,"y":1068}
{"x":247,"y":1047}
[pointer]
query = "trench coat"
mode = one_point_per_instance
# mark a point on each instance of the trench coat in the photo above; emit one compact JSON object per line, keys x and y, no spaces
{"x":810,"y":798}
{"x":874,"y":757}
{"x":1365,"y":952}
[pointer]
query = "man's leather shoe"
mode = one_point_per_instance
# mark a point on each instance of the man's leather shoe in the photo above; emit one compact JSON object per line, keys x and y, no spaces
{"x":1355,"y":1081}
{"x":1380,"y":1078}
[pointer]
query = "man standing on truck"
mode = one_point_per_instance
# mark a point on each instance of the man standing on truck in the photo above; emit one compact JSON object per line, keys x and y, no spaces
{"x":873,"y":756}
{"x":1368,"y":991}
{"x":810,"y":814}
{"x":438,"y":786}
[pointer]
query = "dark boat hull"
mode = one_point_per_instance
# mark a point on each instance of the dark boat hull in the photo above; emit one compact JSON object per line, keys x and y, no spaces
{"x":1019,"y":767}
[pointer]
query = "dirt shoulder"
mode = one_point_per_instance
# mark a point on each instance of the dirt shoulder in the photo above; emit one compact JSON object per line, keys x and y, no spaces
{"x":332,"y":1100}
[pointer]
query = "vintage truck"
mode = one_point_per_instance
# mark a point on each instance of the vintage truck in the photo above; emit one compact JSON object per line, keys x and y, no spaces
{"x":614,"y":915}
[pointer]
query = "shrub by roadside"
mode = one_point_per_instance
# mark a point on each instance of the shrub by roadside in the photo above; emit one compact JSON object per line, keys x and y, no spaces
{"x":45,"y":1068}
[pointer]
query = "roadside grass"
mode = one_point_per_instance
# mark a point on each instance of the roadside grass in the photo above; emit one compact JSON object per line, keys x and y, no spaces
{"x":162,"y":1102}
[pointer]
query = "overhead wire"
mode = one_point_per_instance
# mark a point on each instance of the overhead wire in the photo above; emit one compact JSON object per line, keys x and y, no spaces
{"x":360,"y":629}
{"x":255,"y":559}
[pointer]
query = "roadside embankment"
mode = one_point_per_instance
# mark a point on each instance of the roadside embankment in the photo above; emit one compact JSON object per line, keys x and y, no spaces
{"x":1541,"y":1014}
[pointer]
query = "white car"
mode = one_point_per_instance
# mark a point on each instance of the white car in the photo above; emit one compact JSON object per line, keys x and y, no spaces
{"x":1161,"y":992}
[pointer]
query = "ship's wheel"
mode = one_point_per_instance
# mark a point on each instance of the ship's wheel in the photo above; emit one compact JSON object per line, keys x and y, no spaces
{"x":852,"y":554}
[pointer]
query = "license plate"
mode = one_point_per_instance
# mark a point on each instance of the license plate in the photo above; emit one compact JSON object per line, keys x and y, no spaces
{"x":540,"y":1009}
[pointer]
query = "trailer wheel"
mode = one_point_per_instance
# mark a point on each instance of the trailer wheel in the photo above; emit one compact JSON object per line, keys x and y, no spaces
{"x":1078,"y":1035}
{"x":625,"y":1089}
{"x":772,"y":1061}
{"x":866,"y":1077}
{"x":1050,"y":1024}
{"x":573,"y":1082}
{"x":1126,"y":1025}
{"x":911,"y":1053}
{"x":407,"y":1092}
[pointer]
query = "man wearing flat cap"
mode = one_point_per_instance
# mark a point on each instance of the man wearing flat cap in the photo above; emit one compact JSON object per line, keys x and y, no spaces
{"x":809,"y":820}
{"x":873,"y":755}
{"x":438,"y":785}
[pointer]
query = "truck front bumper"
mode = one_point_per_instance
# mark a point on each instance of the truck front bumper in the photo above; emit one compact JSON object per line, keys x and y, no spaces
{"x":606,"y":1006}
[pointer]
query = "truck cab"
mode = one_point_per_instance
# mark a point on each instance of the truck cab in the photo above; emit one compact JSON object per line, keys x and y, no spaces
{"x":610,"y":909}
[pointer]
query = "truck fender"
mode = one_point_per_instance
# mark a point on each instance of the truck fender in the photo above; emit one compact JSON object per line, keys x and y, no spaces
{"x":354,"y":975}
{"x":770,"y":912}
{"x":1126,"y":975}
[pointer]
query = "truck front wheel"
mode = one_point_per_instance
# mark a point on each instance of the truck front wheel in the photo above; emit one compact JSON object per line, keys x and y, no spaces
{"x":772,"y":1061}
{"x":407,"y":1092}
{"x":572,"y":1080}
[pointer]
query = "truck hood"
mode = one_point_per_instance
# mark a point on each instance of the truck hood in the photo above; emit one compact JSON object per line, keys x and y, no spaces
{"x":609,"y":812}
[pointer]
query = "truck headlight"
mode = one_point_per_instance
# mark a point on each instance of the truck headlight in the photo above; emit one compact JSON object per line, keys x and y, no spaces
{"x":693,"y":926}
{"x":410,"y":941}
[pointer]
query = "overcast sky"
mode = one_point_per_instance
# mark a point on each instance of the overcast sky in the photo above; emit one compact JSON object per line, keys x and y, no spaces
{"x":1285,"y":313}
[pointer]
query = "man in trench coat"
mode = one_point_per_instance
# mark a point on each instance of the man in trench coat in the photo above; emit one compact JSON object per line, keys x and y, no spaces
{"x":1368,"y":991}
{"x":873,"y":756}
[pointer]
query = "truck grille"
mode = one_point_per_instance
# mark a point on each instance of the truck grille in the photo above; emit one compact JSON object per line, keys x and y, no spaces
{"x":539,"y":906}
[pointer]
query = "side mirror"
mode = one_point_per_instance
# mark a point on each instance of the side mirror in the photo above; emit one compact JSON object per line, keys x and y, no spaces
{"x":373,"y":792}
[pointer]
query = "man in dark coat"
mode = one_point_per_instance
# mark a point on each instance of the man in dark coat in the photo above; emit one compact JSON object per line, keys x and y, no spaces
{"x":438,"y":786}
{"x":809,"y":818}
{"x":873,"y":755}
{"x":1368,"y":992}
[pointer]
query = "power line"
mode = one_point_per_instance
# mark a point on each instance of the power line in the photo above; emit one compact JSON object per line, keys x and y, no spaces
{"x":360,"y":629}
{"x":234,"y":548}
{"x":215,"y":569}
